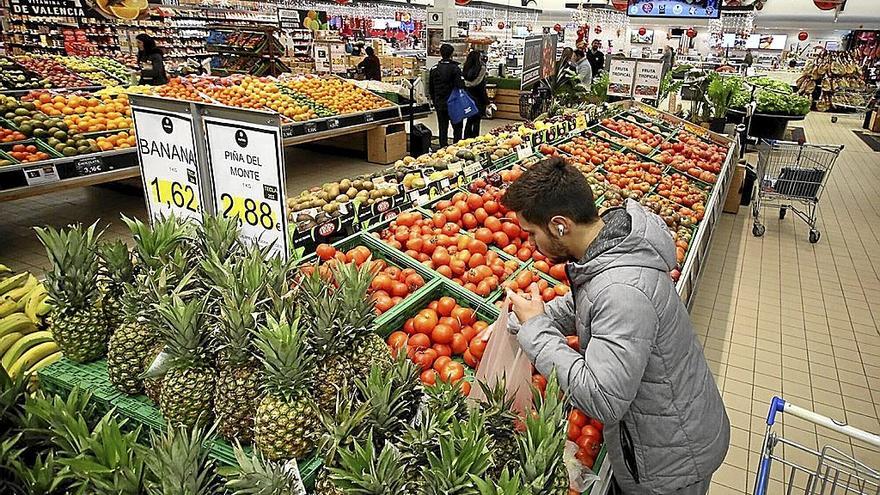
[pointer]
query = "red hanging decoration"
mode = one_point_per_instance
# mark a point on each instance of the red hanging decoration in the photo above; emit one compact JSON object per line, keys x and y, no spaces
{"x":642,"y":31}
{"x":827,"y":4}
{"x":619,"y":4}
{"x":598,"y":30}
{"x":557,"y":28}
{"x":462,"y":2}
{"x":691,"y":33}
{"x":500,"y":24}
{"x":803,"y":36}
{"x":342,"y":2}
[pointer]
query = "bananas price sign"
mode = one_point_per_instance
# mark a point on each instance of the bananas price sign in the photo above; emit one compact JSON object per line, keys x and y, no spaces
{"x":247,"y":177}
{"x":169,"y":167}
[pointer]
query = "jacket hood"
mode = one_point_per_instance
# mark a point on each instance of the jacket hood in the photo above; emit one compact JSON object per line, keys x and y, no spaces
{"x":631,"y":237}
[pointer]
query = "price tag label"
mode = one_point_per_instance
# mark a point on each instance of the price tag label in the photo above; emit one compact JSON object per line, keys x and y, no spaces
{"x":580,"y":121}
{"x":332,"y":123}
{"x":524,"y":151}
{"x":169,"y":169}
{"x":472,"y":169}
{"x":247,"y":178}
{"x":88,"y":166}
{"x":310,"y":127}
{"x":368,"y":117}
{"x":40,"y":174}
{"x":455,"y":167}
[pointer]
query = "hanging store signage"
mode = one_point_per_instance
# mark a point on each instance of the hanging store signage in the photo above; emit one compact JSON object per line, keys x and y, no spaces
{"x":169,"y":167}
{"x":532,"y":57}
{"x":649,"y":73}
{"x":48,"y":8}
{"x":620,"y":77}
{"x":247,"y":177}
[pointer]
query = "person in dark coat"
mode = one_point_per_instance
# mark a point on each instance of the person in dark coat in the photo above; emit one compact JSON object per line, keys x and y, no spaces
{"x":475,"y":84}
{"x":638,"y":367}
{"x":370,"y":66}
{"x":445,"y":77}
{"x":151,"y":61}
{"x":596,"y":58}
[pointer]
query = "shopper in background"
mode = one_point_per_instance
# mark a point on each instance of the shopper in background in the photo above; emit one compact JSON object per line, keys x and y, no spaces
{"x":151,"y":61}
{"x":583,"y":67}
{"x":596,"y":57}
{"x":474,"y":72}
{"x":639,"y":369}
{"x":668,"y":58}
{"x":370,"y":66}
{"x":566,"y":62}
{"x":443,"y":78}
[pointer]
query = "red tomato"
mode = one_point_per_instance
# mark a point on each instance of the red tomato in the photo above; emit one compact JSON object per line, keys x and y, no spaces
{"x":540,"y":383}
{"x":573,"y":342}
{"x":573,"y":432}
{"x":428,"y":377}
{"x":442,"y":334}
{"x":442,"y":350}
{"x":425,"y":321}
{"x":445,"y":305}
{"x":576,"y":417}
{"x":459,"y":344}
{"x":397,"y":339}
{"x":476,"y":347}
{"x":325,"y":251}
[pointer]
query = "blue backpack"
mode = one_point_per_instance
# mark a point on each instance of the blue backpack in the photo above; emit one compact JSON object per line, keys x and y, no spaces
{"x":461,"y":106}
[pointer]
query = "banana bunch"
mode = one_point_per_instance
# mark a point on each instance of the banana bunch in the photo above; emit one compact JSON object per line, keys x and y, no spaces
{"x":24,"y":346}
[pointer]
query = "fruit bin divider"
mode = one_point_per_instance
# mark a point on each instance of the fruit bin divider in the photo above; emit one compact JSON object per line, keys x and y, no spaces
{"x":641,"y":121}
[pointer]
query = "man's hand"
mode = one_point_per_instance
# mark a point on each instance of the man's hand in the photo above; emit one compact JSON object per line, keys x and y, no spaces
{"x":526,"y":307}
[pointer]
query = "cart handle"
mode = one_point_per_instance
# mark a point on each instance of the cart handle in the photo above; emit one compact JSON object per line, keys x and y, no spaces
{"x":778,"y":405}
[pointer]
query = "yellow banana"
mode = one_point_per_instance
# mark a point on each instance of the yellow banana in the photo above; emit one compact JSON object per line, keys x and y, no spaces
{"x":16,"y":322}
{"x":46,"y":361}
{"x":13,"y":282}
{"x":19,"y":292}
{"x":7,"y":307}
{"x":26,"y":342}
{"x":7,"y":341}
{"x":44,"y":307}
{"x":4,"y":269}
{"x":33,"y":300}
{"x":31,"y":357}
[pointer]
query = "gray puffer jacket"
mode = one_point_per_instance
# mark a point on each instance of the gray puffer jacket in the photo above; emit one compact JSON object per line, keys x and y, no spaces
{"x":640,"y":369}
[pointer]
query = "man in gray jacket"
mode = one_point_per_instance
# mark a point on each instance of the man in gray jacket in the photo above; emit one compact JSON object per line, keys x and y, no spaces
{"x":640,"y":369}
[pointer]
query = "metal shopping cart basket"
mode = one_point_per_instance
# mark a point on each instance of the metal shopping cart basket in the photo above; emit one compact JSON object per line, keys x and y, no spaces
{"x":792,"y":175}
{"x":833,"y":472}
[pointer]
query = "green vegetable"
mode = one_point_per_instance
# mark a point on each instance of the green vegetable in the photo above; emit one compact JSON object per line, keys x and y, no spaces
{"x":772,"y":97}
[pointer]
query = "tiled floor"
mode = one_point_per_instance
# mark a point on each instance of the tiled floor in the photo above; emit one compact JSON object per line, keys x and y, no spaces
{"x":777,"y":315}
{"x":780,"y":316}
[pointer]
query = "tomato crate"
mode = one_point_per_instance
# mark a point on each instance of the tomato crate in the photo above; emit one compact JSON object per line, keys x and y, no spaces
{"x":8,"y":148}
{"x":645,"y":123}
{"x":435,"y":290}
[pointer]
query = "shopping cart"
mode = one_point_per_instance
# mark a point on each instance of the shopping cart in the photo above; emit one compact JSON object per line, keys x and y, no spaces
{"x":833,"y":471}
{"x":792,"y":174}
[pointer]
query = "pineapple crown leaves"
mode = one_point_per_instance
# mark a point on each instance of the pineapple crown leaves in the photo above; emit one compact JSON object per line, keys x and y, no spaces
{"x":183,"y":329}
{"x":343,"y":425}
{"x":543,"y":443}
{"x":389,"y":404}
{"x":507,"y":484}
{"x":153,"y":245}
{"x":180,"y":463}
{"x":352,"y":291}
{"x":338,"y":314}
{"x":283,"y":351}
{"x":75,"y":264}
{"x":462,"y":454}
{"x":363,"y":471}
{"x":448,"y":397}
{"x":498,"y":404}
{"x":217,"y":234}
{"x":257,"y":475}
{"x":117,"y":265}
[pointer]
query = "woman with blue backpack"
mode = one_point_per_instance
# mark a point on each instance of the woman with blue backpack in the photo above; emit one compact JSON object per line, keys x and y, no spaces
{"x":475,"y":83}
{"x":444,"y":78}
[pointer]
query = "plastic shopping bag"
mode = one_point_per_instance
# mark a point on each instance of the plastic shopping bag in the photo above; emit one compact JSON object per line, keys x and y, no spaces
{"x":460,"y":106}
{"x":504,"y":359}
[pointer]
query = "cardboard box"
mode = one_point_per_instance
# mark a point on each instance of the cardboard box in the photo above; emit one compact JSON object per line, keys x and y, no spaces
{"x":734,"y":193}
{"x":386,"y":144}
{"x":875,"y":122}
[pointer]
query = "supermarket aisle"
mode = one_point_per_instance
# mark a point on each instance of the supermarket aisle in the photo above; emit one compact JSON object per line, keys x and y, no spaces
{"x":780,"y":316}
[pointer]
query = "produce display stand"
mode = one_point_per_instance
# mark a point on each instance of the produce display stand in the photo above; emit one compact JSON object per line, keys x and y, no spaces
{"x":64,"y":375}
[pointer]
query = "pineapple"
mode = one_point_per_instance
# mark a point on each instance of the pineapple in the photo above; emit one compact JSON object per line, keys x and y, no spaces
{"x":259,"y":476}
{"x":341,"y":428}
{"x":153,"y":384}
{"x":117,"y":271}
{"x":542,"y":445}
{"x":285,"y":425}
{"x":365,"y":471}
{"x":390,"y":393}
{"x":500,"y":424}
{"x":78,"y":325}
{"x":180,"y":463}
{"x":188,"y":385}
{"x":237,"y":392}
{"x":219,"y":235}
{"x":463,"y":455}
{"x":129,"y":344}
{"x":340,"y":322}
{"x":507,"y":483}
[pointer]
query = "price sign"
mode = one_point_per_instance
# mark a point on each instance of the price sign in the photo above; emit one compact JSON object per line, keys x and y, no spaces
{"x":580,"y":121}
{"x":40,"y":174}
{"x":538,"y":138}
{"x":169,"y":168}
{"x":472,"y":169}
{"x":247,"y":178}
{"x":88,"y":166}
{"x":524,"y":151}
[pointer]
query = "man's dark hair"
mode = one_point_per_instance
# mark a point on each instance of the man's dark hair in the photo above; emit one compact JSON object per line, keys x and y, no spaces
{"x":370,"y":51}
{"x":446,"y":51}
{"x":550,"y":188}
{"x":579,"y":53}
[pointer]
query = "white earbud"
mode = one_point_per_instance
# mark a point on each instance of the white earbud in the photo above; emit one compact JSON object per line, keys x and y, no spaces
{"x":561,"y":230}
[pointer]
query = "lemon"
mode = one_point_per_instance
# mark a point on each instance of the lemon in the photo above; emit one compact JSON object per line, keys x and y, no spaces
{"x":124,"y":12}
